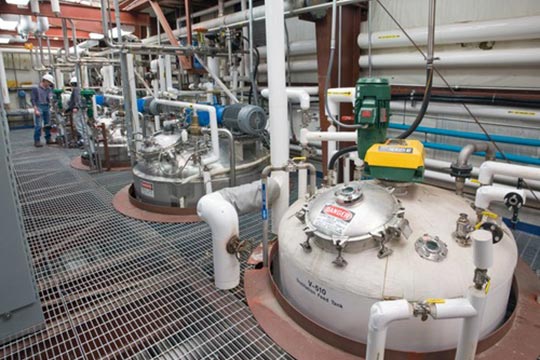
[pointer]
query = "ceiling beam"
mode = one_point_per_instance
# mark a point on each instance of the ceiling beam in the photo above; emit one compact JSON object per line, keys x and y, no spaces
{"x":76,"y":12}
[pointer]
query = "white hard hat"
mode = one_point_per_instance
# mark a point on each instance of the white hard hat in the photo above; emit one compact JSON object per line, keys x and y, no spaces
{"x":73,"y":80}
{"x":49,"y":78}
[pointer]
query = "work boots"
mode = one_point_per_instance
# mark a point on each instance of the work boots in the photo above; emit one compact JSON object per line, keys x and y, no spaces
{"x":38,"y":144}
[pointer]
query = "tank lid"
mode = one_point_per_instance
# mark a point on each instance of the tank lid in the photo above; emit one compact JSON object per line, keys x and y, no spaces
{"x":354,"y":214}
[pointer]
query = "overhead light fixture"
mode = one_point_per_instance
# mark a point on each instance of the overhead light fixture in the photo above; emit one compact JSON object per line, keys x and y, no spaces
{"x":18,"y":2}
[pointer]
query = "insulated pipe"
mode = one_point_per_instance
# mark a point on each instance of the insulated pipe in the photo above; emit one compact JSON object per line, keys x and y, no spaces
{"x":498,"y":112}
{"x":457,"y":59}
{"x":485,"y":195}
{"x":446,"y":178}
{"x":241,"y":18}
{"x":382,"y":314}
{"x":306,"y":136}
{"x":213,"y":123}
{"x":295,"y":66}
{"x":277,"y":104}
{"x":222,"y":218}
{"x":302,"y":47}
{"x":298,"y":94}
{"x":168,"y":73}
{"x":490,"y":168}
{"x":521,"y":28}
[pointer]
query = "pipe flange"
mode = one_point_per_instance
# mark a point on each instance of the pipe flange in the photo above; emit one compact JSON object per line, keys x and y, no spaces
{"x":431,"y":248}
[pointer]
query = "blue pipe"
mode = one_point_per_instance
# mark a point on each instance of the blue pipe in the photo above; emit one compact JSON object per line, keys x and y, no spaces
{"x":473,"y":136}
{"x":456,"y":148}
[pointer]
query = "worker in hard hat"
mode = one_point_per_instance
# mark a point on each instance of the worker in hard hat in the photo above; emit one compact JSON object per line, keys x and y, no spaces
{"x":74,"y":106}
{"x":41,"y":101}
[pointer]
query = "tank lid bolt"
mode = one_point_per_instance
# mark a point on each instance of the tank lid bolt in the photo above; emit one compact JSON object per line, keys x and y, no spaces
{"x":340,"y":245}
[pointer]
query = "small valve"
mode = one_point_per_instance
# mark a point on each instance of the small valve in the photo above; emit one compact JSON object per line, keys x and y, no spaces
{"x":514,"y":202}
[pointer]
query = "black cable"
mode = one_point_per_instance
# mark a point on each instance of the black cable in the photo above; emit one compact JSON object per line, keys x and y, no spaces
{"x":254,"y":70}
{"x":423,"y":108}
{"x":339,"y":154}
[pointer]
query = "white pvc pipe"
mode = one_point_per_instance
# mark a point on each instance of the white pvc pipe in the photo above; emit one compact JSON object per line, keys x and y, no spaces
{"x":498,"y":112}
{"x":213,"y":65}
{"x":3,"y":80}
{"x":207,"y":180}
{"x":55,"y":7}
{"x":521,"y":28}
{"x":470,"y":329}
{"x":298,"y":94}
{"x":382,"y":314}
{"x":34,"y":7}
{"x":485,"y":195}
{"x":456,"y":59}
{"x":213,"y":125}
{"x":482,"y":241}
{"x":302,"y":183}
{"x":295,"y":66}
{"x":222,"y":218}
{"x":107,"y":72}
{"x":168,"y":73}
{"x":59,"y":75}
{"x":452,"y":309}
{"x":161,"y":74}
{"x":277,"y":103}
{"x":490,"y":168}
{"x":499,"y":179}
{"x":337,"y":96}
{"x":447,"y":178}
{"x":307,"y":136}
{"x":302,"y":47}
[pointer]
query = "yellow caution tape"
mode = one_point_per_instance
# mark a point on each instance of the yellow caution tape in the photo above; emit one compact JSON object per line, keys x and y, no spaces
{"x":342,"y":93}
{"x":527,"y":113}
{"x":385,"y":37}
{"x":434,"y":301}
{"x":487,"y":286}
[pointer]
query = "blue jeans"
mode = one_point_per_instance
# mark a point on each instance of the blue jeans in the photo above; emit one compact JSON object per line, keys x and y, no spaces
{"x":45,"y":116}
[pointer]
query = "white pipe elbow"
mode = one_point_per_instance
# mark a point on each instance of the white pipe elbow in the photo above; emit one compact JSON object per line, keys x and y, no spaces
{"x":485,"y":195}
{"x":222,"y":218}
{"x":383,"y":313}
{"x":490,"y":168}
{"x":337,"y":96}
{"x":300,"y":95}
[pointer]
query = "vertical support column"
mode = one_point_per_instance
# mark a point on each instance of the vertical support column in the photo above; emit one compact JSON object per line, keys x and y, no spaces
{"x":279,"y":118}
{"x":20,"y":308}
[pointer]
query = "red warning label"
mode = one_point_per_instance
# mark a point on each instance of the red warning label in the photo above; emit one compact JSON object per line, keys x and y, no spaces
{"x":338,"y":212}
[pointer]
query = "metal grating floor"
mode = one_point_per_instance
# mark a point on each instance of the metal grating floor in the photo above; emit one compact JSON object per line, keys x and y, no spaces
{"x":112,"y":287}
{"x":116,"y":288}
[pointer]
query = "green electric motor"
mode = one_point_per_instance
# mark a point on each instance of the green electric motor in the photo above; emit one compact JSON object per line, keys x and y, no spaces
{"x":372,"y":111}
